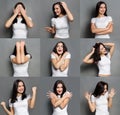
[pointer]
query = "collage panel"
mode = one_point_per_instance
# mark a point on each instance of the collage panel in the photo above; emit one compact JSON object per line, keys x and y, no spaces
{"x":72,"y":104}
{"x":90,"y":10}
{"x":48,"y":66}
{"x":110,"y":67}
{"x":20,"y":58}
{"x":89,"y":87}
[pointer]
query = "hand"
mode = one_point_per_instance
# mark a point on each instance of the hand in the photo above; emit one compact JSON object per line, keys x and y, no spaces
{"x":112,"y":93}
{"x":3,"y":104}
{"x":68,"y":94}
{"x":22,"y":43}
{"x":49,"y":29}
{"x":16,"y":11}
{"x":51,"y":95}
{"x":64,"y":4}
{"x":87,"y":96}
{"x":22,"y":10}
{"x":34,"y":89}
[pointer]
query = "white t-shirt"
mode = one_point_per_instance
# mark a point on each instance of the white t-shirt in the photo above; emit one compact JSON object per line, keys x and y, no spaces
{"x":62,"y":27}
{"x":59,"y":111}
{"x":57,"y":72}
{"x":104,"y":65}
{"x":101,"y":104}
{"x":20,"y":106}
{"x":102,"y":22}
{"x":20,"y":70}
{"x":20,"y":29}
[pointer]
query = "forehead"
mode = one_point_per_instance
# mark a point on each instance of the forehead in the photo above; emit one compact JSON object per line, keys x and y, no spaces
{"x":102,"y":5}
{"x":59,"y":85}
{"x":56,"y":6}
{"x":60,"y":44}
{"x":20,"y":83}
{"x":101,"y":46}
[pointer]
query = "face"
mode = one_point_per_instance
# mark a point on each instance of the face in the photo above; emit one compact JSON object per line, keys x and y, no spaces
{"x":20,"y":88}
{"x":105,"y":89}
{"x":57,"y":10}
{"x":59,"y":89}
{"x":59,"y":48}
{"x":102,"y":50}
{"x":102,"y":9}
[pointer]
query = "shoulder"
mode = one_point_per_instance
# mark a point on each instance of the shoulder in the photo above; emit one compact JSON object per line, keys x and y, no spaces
{"x":68,"y":55}
{"x":53,"y":55}
{"x":12,"y":56}
{"x":109,"y":18}
{"x":93,"y":20}
{"x":29,"y":56}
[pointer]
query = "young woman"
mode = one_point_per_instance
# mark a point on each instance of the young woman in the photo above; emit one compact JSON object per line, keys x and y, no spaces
{"x":102,"y":24}
{"x":60,"y":58}
{"x":100,"y":56}
{"x":59,"y":98}
{"x":19,"y":101}
{"x":101,"y":99}
{"x":60,"y":22}
{"x":20,"y":60}
{"x":19,"y":21}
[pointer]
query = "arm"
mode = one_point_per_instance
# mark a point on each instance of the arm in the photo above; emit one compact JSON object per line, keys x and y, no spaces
{"x":69,"y":14}
{"x":92,"y":105}
{"x":11,"y":19}
{"x":27,"y":19}
{"x":33,"y":99}
{"x":50,"y":29}
{"x":106,"y":30}
{"x":61,"y":102}
{"x":9,"y":112}
{"x":87,"y":59}
{"x":112,"y":47}
{"x":110,"y":97}
{"x":58,"y":61}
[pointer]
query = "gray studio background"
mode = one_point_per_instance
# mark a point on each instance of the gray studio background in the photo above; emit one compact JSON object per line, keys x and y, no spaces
{"x":91,"y":69}
{"x":46,"y":47}
{"x":6,"y":49}
{"x":43,"y":86}
{"x":87,"y":11}
{"x":41,"y":12}
{"x":88,"y":84}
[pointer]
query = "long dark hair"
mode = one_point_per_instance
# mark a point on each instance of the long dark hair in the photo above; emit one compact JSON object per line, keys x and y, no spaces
{"x":15,"y":50}
{"x":98,"y":7}
{"x":23,"y":20}
{"x":63,"y":12}
{"x":96,"y":55}
{"x":99,"y":89}
{"x":14,"y":91}
{"x":55,"y":87}
{"x":64,"y":47}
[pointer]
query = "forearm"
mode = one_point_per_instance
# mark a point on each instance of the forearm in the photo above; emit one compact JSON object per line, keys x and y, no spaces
{"x":87,"y":58}
{"x":105,"y":32}
{"x":91,"y":106}
{"x":7,"y":111}
{"x":32,"y":101}
{"x":28,"y":21}
{"x":110,"y":102}
{"x":10,"y":21}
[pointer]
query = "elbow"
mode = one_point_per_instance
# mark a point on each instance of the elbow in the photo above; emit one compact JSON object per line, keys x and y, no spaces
{"x":31,"y":106}
{"x":72,"y":19}
{"x":92,"y":110}
{"x":7,"y":26}
{"x":31,"y":25}
{"x":84,"y":61}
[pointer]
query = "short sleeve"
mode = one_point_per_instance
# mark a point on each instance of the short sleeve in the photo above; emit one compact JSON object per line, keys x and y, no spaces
{"x":93,"y":98}
{"x":108,"y":55}
{"x":53,"y":22}
{"x":93,"y":20}
{"x":109,"y":18}
{"x":28,"y":55}
{"x":28,"y":97}
{"x":12,"y":56}
{"x":10,"y":104}
{"x":30,"y":18}
{"x":68,"y":56}
{"x":106,"y":94}
{"x":52,"y":56}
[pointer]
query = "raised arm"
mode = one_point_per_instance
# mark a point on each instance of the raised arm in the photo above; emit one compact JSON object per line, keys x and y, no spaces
{"x":110,"y":97}
{"x":87,"y":59}
{"x":33,"y":98}
{"x":69,"y":14}
{"x":11,"y":19}
{"x":9,"y":112}
{"x":27,"y":19}
{"x":112,"y":47}
{"x":91,"y":104}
